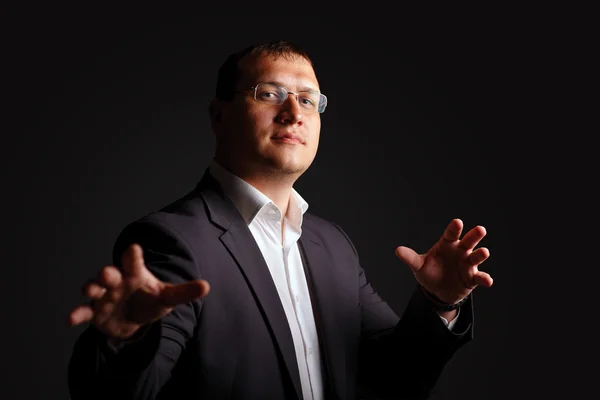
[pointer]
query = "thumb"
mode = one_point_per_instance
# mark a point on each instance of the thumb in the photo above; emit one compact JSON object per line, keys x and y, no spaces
{"x":410,"y":258}
{"x":175,"y":294}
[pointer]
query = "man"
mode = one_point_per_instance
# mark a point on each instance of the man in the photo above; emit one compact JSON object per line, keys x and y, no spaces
{"x":290,"y":313}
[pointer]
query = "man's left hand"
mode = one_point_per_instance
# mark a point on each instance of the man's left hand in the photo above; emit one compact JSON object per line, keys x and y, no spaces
{"x":450,"y":269}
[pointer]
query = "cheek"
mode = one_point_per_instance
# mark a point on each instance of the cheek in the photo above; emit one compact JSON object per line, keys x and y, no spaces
{"x":315,"y":130}
{"x":243,"y":129}
{"x":258,"y":123}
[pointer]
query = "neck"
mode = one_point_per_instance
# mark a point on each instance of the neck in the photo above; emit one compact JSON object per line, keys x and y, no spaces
{"x":277,"y":192}
{"x":274,"y":184}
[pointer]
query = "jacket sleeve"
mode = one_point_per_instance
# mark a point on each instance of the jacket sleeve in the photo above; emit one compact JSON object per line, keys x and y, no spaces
{"x":404,"y":357}
{"x":141,"y":368}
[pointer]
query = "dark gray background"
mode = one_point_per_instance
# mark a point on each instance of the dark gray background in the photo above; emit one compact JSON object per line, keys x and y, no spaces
{"x":426,"y":122}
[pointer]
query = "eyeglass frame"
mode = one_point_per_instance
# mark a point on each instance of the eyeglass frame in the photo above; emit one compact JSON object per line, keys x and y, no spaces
{"x":255,"y":87}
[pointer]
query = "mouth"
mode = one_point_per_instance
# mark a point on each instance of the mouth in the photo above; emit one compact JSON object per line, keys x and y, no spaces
{"x":290,"y":138}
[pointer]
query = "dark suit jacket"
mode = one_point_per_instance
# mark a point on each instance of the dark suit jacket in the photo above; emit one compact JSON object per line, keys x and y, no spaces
{"x":235,"y":343}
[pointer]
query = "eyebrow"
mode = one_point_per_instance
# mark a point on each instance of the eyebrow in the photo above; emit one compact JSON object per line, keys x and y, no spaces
{"x":301,"y":89}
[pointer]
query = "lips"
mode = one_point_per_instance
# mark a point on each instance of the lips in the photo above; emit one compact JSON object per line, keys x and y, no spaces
{"x":289,"y":137}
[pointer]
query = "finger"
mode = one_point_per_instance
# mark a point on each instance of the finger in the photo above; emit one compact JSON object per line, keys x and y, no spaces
{"x":80,"y":315}
{"x":410,"y":258}
{"x":110,"y":277}
{"x":453,"y":230}
{"x":173,"y":295}
{"x":472,"y":238}
{"x":133,"y":260}
{"x":483,"y":279}
{"x":103,"y":308}
{"x":478,"y":256}
{"x":93,"y":290}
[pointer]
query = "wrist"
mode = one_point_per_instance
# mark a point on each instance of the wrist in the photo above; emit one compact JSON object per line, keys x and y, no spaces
{"x":440,"y":305}
{"x":119,"y":342}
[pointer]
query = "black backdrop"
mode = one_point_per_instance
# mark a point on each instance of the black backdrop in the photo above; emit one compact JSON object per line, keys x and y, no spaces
{"x":425,"y":123}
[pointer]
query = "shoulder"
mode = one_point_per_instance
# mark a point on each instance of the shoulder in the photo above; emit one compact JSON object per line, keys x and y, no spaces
{"x":179,"y":214}
{"x":326,"y":231}
{"x":174,"y":225}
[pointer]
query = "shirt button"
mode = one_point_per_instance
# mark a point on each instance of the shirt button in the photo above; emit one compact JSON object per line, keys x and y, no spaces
{"x":310,"y":351}
{"x":297,"y":299}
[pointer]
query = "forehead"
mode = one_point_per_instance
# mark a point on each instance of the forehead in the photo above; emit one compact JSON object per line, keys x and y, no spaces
{"x":293,"y":71}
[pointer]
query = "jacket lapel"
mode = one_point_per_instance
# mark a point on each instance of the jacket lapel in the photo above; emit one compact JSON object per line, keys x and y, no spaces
{"x":321,"y":282}
{"x":238,"y":240}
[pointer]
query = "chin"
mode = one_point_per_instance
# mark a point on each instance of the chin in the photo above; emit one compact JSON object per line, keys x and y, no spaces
{"x":287,"y":167}
{"x":285,"y":161}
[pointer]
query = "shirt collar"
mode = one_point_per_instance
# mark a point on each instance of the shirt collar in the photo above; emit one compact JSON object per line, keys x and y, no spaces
{"x":251,"y":202}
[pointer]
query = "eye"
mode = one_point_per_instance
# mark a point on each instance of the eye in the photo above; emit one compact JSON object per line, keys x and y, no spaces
{"x":268,"y":95}
{"x":307,"y":101}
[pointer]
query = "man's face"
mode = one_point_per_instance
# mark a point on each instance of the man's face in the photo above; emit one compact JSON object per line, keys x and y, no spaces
{"x":258,"y":138}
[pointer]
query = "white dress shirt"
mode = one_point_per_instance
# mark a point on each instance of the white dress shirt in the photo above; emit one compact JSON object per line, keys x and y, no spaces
{"x":277,"y":237}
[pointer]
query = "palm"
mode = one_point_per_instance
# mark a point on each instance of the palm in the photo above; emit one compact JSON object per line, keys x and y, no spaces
{"x":124,"y":300}
{"x":140,"y":304}
{"x":450,"y":268}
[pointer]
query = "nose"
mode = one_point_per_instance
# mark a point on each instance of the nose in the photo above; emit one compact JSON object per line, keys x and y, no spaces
{"x":290,"y":111}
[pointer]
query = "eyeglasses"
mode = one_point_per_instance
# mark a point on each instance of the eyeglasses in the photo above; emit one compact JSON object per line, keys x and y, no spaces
{"x":269,"y":93}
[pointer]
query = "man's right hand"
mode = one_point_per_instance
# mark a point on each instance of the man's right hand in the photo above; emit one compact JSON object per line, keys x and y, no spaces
{"x":122,"y":301}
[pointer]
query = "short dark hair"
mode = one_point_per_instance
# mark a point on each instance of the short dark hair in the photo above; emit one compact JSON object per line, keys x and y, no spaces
{"x":229,"y":72}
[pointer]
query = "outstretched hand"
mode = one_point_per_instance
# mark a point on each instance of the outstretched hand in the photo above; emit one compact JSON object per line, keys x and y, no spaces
{"x":124,"y":301}
{"x":450,"y":269}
